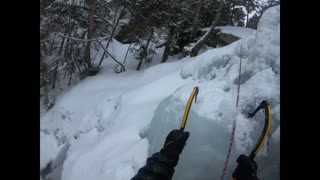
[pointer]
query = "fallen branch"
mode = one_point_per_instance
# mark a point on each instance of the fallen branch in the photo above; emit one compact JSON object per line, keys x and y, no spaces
{"x":83,"y":40}
{"x":97,"y":40}
{"x":111,"y":55}
{"x":162,"y":44}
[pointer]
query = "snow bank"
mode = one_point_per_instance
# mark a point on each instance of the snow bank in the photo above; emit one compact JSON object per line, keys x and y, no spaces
{"x":48,"y":149}
{"x":101,"y":157}
{"x":101,"y":119}
{"x":117,"y":152}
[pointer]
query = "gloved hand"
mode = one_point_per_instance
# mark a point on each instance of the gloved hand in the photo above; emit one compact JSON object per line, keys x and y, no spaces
{"x":174,"y":145}
{"x":161,"y":164}
{"x":246,"y":169}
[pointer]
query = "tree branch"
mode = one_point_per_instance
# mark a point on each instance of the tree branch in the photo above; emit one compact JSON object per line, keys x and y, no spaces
{"x":97,"y":40}
{"x":84,"y":40}
{"x":111,"y":55}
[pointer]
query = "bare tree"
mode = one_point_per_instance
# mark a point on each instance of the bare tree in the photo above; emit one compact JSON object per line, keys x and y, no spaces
{"x":125,"y":58}
{"x":144,"y":52}
{"x":250,"y":6}
{"x":196,"y":21}
{"x":114,"y":26}
{"x":90,"y":28}
{"x":167,"y":46}
{"x":199,"y":44}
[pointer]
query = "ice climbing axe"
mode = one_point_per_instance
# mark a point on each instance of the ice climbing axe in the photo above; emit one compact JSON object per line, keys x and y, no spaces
{"x":267,"y":125}
{"x":186,"y":112}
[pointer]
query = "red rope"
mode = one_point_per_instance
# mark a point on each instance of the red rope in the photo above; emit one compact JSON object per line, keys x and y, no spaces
{"x":234,"y":122}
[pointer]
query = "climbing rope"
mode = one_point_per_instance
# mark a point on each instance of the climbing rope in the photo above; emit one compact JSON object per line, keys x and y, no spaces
{"x":234,"y":121}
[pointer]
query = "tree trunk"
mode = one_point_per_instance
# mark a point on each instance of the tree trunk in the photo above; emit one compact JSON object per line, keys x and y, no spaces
{"x":68,"y":45}
{"x":145,"y":50}
{"x":248,"y":12}
{"x":46,"y":95}
{"x":62,"y":42}
{"x":72,"y":69}
{"x":52,"y":42}
{"x":65,"y":72}
{"x":232,"y":13}
{"x":140,"y":62}
{"x":167,"y":47}
{"x":68,"y":30}
{"x":202,"y":41}
{"x":195,"y":21}
{"x":55,"y":74}
{"x":125,"y":58}
{"x":247,"y":16}
{"x":115,"y":24}
{"x":90,"y":28}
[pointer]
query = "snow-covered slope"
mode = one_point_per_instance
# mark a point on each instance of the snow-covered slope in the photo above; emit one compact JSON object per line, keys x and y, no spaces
{"x":101,"y":118}
{"x":113,"y":122}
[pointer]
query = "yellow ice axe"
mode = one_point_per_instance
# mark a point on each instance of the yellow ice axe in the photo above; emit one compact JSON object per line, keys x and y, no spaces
{"x":267,"y":125}
{"x":186,"y":112}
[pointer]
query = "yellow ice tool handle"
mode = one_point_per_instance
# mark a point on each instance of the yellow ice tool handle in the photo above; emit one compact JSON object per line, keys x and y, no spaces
{"x":267,"y":125}
{"x":186,"y":112}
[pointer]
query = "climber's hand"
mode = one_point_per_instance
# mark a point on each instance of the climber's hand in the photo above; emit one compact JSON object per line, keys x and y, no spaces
{"x":246,"y":169}
{"x":174,"y":144}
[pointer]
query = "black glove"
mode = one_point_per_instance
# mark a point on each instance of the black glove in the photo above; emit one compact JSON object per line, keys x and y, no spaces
{"x":246,"y":169}
{"x":174,"y":145}
{"x":160,"y":166}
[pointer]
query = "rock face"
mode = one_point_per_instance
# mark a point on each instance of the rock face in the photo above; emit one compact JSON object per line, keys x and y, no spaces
{"x":223,"y":39}
{"x":220,"y":39}
{"x":127,"y":35}
{"x":216,"y":39}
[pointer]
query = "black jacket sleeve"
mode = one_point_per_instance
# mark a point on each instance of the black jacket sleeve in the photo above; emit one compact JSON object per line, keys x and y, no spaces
{"x":246,"y":169}
{"x":158,"y":167}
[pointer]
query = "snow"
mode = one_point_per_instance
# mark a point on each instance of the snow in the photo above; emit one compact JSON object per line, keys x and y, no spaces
{"x":241,"y":32}
{"x":108,"y":111}
{"x":100,"y":152}
{"x":113,"y":122}
{"x":48,"y":149}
